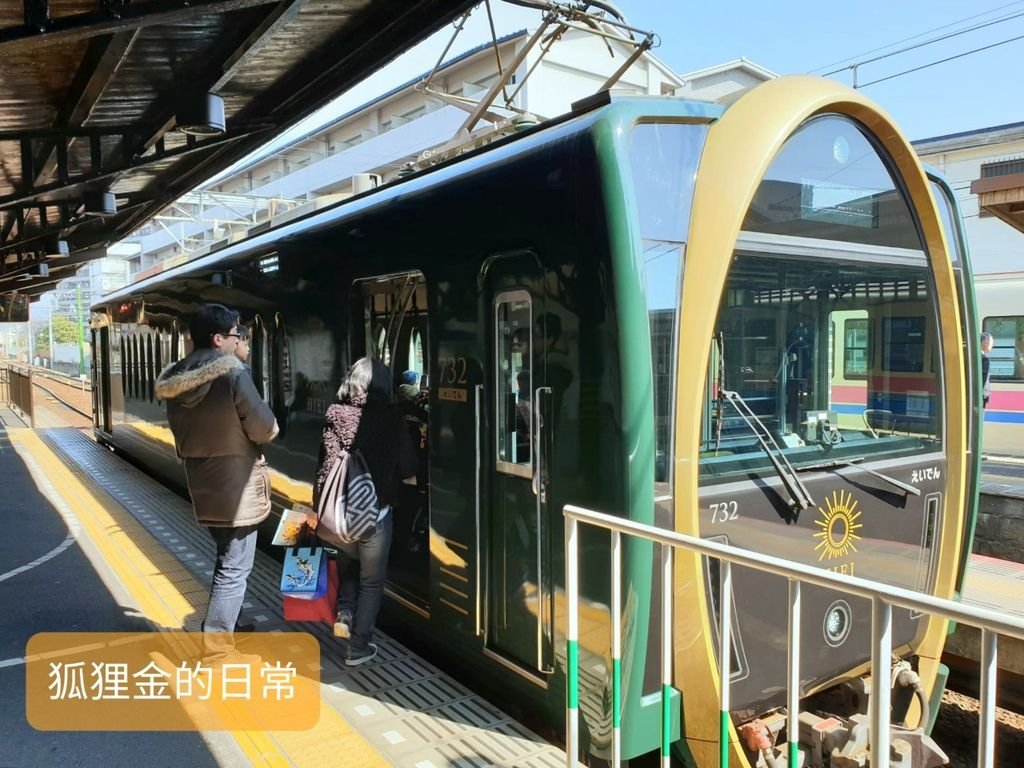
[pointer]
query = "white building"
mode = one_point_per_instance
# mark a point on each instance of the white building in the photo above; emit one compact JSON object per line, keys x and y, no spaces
{"x":372,"y":143}
{"x":965,"y":158}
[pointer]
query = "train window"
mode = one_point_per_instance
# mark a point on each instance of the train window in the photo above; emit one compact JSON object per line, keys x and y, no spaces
{"x":829,"y":261}
{"x":663,"y":161}
{"x":949,"y":222}
{"x":663,"y":158}
{"x":856,"y":346}
{"x":513,"y":353}
{"x":151,"y":372}
{"x":158,"y":363}
{"x":259,"y":357}
{"x":124,"y":365}
{"x":381,"y":348}
{"x":1006,"y":360}
{"x":903,"y":344}
{"x":416,"y":359}
{"x":392,"y":320}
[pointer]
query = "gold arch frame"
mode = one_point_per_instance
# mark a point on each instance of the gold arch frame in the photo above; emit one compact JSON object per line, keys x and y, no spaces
{"x":738,"y":151}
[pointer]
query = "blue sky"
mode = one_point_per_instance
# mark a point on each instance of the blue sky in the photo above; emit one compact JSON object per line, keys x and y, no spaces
{"x":799,"y":36}
{"x":794,"y":37}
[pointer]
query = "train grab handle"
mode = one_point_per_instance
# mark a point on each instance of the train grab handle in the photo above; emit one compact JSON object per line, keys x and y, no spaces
{"x":540,"y":492}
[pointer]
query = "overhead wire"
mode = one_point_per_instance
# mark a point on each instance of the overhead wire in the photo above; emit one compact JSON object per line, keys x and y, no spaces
{"x":920,"y":34}
{"x":940,"y":61}
{"x":926,"y":42}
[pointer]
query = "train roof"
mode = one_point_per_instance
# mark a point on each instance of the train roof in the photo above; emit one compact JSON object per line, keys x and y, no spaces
{"x":624,"y":110}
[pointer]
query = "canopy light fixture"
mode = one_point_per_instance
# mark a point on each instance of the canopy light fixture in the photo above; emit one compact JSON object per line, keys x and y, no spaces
{"x":99,"y":203}
{"x":222,"y":278}
{"x":55,"y":248}
{"x":200,"y":114}
{"x":39,"y":269}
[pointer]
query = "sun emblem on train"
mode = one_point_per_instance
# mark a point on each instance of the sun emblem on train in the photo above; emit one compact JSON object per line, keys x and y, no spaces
{"x":839,"y":526}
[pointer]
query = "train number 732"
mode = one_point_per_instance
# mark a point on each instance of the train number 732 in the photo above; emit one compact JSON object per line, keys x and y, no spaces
{"x":724,"y":511}
{"x":453,"y":370}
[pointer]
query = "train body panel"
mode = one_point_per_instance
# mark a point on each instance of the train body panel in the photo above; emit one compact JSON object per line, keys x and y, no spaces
{"x":574,"y":339}
{"x":999,"y":310}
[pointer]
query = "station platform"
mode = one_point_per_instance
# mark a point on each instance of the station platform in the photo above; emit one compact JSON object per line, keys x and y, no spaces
{"x":94,"y":545}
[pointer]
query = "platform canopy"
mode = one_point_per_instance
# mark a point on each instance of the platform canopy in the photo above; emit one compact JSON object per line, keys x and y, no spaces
{"x":111,"y":109}
{"x":1002,"y":196}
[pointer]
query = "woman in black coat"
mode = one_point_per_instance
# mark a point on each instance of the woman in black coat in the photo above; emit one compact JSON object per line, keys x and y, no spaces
{"x":365,"y":419}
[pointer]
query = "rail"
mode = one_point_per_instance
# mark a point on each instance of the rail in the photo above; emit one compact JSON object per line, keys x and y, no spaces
{"x":883,"y":597}
{"x":77,"y":382}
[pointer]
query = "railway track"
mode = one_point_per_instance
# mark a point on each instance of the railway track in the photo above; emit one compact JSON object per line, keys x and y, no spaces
{"x":72,"y":399}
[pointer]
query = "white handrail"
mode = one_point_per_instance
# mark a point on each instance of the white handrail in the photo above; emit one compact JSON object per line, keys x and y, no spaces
{"x":883,"y":597}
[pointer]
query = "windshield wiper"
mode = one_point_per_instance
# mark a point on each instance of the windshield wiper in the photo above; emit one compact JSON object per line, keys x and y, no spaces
{"x":835,"y":464}
{"x":799,"y":496}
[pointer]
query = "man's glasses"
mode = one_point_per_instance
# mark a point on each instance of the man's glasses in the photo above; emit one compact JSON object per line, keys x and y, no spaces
{"x":239,"y":336}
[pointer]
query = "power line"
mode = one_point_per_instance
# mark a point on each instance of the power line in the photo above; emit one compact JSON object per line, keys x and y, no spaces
{"x":940,"y":61}
{"x":920,"y":34}
{"x":926,"y":42}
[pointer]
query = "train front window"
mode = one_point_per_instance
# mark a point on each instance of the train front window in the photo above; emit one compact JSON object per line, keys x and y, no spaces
{"x":827,"y":341}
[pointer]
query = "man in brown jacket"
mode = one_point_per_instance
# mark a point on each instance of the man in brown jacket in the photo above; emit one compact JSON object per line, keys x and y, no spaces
{"x":219,"y":423}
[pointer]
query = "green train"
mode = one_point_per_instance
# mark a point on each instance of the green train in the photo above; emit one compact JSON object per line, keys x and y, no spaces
{"x":637,"y":308}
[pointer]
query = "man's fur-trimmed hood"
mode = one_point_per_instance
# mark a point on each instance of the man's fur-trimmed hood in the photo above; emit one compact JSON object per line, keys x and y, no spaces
{"x":188,"y":381}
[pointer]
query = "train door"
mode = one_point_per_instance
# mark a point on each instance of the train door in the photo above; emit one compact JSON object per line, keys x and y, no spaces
{"x":517,"y":541}
{"x":101,"y":379}
{"x":390,"y":322}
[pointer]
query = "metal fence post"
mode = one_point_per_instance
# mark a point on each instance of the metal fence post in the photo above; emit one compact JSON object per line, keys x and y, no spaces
{"x":724,"y":659}
{"x":793,"y":720}
{"x":616,"y":649}
{"x":666,"y":655}
{"x":572,"y":630}
{"x":881,"y":650}
{"x":987,"y":732}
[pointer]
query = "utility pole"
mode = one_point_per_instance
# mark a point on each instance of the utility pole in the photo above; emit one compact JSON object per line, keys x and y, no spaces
{"x":51,"y":335}
{"x":81,"y":331}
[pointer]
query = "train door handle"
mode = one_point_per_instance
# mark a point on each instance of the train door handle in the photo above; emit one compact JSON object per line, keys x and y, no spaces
{"x":543,"y":614}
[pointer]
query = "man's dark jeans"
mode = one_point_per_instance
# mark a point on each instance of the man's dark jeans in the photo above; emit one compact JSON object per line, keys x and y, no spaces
{"x":362,"y":568}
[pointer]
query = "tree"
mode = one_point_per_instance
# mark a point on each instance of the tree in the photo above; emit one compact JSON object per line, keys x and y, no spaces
{"x":65,"y":331}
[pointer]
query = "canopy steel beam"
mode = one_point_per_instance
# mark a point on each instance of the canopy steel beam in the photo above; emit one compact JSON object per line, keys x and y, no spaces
{"x":85,"y":25}
{"x":101,"y":62}
{"x":76,"y":183}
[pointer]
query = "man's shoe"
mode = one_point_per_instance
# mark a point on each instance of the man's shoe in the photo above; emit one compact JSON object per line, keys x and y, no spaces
{"x":343,"y":624}
{"x":360,"y":656}
{"x":244,"y":627}
{"x":233,"y":657}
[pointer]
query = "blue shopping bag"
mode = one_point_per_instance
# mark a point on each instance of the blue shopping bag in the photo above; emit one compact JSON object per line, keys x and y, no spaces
{"x":304,"y":574}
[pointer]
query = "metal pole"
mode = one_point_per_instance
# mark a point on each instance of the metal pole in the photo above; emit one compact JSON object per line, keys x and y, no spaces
{"x":616,"y":649}
{"x":572,"y":693}
{"x":881,"y":651}
{"x":666,"y":655}
{"x":793,"y":720}
{"x":987,"y":737}
{"x":81,"y":332}
{"x":724,"y":659}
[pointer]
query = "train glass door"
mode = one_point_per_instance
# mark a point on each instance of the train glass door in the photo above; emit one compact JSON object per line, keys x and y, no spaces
{"x":101,"y":378}
{"x":519,"y":609}
{"x":390,"y":322}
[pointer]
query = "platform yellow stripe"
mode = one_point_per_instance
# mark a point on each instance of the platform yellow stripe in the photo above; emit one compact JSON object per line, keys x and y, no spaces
{"x":167,"y":594}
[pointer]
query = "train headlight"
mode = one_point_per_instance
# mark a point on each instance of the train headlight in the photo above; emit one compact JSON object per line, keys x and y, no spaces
{"x":838,"y":619}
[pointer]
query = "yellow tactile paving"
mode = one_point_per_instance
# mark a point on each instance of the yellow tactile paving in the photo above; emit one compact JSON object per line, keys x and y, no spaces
{"x":167,"y":595}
